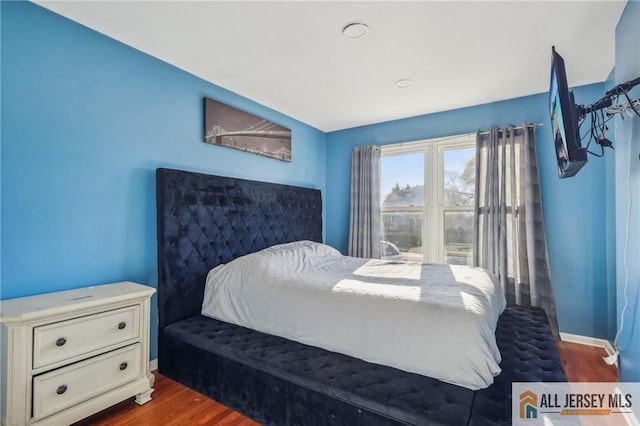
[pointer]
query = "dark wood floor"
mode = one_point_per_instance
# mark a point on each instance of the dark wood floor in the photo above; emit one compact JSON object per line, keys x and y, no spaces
{"x":171,"y":404}
{"x":174,"y":404}
{"x":583,"y":363}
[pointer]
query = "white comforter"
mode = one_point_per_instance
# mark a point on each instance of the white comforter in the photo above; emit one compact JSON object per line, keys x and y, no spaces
{"x":434,"y":320}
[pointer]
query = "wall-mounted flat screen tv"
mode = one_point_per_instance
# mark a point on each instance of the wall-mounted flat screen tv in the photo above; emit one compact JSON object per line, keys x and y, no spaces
{"x":564,"y":121}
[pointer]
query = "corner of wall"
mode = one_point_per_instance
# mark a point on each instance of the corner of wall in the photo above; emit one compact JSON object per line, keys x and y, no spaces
{"x":610,"y":223}
{"x":1,"y":120}
{"x":627,"y":202}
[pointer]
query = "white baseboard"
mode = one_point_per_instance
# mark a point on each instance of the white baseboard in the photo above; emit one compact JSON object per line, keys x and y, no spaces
{"x":631,"y":419}
{"x":153,"y":364}
{"x":589,"y":341}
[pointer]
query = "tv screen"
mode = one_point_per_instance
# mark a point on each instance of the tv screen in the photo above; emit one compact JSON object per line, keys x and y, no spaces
{"x":564,"y":121}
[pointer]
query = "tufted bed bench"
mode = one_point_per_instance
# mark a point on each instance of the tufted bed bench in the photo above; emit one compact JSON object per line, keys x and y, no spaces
{"x":207,"y":220}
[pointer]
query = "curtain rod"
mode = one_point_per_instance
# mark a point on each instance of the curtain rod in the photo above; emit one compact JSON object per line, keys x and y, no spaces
{"x":444,"y":138}
{"x":536,"y":124}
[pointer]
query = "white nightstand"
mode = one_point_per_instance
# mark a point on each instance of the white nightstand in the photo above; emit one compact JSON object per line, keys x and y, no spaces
{"x":69,"y":354}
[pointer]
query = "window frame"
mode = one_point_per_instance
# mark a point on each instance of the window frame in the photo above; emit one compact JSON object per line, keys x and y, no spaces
{"x":433,"y":211}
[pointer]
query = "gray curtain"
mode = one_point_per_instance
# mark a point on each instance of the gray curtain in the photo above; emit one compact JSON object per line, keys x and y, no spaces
{"x":509,"y":228}
{"x":364,"y":218}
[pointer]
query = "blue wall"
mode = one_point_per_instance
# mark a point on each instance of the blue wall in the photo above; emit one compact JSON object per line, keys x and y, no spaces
{"x":574,"y":209}
{"x":0,"y":157}
{"x":85,"y":122}
{"x":627,"y":181}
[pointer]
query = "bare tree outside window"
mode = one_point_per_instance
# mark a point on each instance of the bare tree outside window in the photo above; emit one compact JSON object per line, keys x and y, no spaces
{"x":459,"y":199}
{"x":460,"y":188}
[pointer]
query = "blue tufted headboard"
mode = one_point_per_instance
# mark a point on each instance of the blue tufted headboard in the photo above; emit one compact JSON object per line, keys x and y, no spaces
{"x":206,"y":220}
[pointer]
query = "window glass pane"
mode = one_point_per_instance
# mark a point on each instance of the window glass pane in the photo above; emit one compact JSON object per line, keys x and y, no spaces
{"x":458,"y":238}
{"x":402,"y":180}
{"x":401,"y":236}
{"x":459,"y":177}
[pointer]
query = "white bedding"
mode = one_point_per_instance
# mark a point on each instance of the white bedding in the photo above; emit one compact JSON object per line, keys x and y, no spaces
{"x":434,"y":320}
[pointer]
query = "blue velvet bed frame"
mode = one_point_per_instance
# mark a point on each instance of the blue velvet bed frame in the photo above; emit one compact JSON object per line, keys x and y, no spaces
{"x":207,"y":220}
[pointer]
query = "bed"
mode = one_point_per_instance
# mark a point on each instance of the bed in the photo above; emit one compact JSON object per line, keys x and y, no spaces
{"x":205,"y":221}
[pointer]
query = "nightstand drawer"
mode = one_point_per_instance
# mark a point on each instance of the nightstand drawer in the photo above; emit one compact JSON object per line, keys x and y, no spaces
{"x":71,"y":385}
{"x":67,"y":339}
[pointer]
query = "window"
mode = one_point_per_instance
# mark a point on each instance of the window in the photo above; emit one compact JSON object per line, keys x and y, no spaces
{"x":428,"y":196}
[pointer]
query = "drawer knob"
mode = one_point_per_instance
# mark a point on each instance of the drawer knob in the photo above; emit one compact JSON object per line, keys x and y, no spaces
{"x":122,"y":325}
{"x":61,"y":389}
{"x":61,"y":341}
{"x":123,"y":366}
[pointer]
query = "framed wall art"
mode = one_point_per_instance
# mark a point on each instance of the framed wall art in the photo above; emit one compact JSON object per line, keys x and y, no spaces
{"x":227,"y":126}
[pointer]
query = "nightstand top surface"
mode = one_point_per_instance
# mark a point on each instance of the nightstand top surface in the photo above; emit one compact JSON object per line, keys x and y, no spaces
{"x":22,"y":309}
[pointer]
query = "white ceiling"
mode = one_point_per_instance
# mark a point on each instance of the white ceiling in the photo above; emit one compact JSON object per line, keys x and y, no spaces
{"x":292,"y":56}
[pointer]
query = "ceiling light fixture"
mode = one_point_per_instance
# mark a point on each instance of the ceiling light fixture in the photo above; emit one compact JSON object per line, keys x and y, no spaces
{"x":355,"y":30}
{"x":404,"y":83}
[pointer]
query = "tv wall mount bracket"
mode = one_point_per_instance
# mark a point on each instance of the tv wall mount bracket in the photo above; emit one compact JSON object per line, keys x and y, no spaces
{"x":608,"y":99}
{"x":599,"y":118}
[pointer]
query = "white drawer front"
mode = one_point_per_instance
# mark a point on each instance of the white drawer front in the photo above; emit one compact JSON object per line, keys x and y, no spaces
{"x":67,"y":339}
{"x":71,"y":385}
